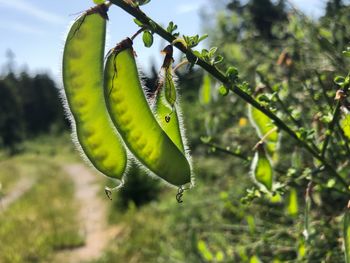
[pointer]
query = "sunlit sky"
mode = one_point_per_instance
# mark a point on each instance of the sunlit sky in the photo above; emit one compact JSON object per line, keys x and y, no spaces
{"x":35,"y":29}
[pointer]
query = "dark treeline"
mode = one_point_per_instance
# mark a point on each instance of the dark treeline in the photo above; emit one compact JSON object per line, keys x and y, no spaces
{"x":29,"y":106}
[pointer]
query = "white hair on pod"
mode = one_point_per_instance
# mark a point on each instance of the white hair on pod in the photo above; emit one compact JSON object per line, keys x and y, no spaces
{"x":254,"y":166}
{"x":70,"y":117}
{"x":183,"y":132}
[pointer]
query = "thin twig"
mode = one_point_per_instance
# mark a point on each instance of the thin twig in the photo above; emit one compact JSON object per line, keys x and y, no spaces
{"x":263,"y":139}
{"x":137,"y":33}
{"x":329,"y":131}
{"x":223,"y":150}
{"x":181,"y":64}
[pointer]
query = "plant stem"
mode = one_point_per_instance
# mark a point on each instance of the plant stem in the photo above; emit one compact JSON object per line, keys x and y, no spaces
{"x":144,"y":19}
{"x":324,"y":90}
{"x":137,"y":33}
{"x":263,"y":139}
{"x":226,"y":151}
{"x":330,"y":128}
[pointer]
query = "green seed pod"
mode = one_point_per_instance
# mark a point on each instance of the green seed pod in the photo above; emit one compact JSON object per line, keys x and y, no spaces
{"x":293,"y":203}
{"x":168,"y":119}
{"x":264,"y":126}
{"x":83,"y":87}
{"x":346,"y":233}
{"x":133,"y":118}
{"x":261,"y":168}
{"x":165,"y":107}
{"x":169,"y":85}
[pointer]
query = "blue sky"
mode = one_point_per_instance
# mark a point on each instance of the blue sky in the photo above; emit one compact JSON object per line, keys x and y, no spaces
{"x":35,"y":29}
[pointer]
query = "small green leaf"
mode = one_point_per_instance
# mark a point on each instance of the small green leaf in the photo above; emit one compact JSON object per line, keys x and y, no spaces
{"x":251,"y":223}
{"x":98,"y":2}
{"x":223,"y":90}
{"x":206,"y":139}
{"x":171,"y":27}
{"x":219,"y":256}
{"x":345,"y":125}
{"x":147,"y":38}
{"x":205,"y":90}
{"x":339,"y":80}
{"x":202,"y":37}
{"x":218,"y":60}
{"x":212,"y":51}
{"x":203,"y":249}
{"x":293,"y":206}
{"x":254,"y":259}
{"x":205,"y":52}
{"x":142,"y":2}
{"x":197,"y":54}
{"x":232,"y":73}
{"x":170,"y":90}
{"x":138,"y":22}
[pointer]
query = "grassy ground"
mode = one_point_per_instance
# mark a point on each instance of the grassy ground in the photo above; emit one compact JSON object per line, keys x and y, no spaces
{"x":213,"y":225}
{"x":43,"y":219}
{"x":165,"y":231}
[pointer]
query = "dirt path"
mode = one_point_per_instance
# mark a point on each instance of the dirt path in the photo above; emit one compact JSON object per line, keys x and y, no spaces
{"x":17,"y":191}
{"x":93,"y":217}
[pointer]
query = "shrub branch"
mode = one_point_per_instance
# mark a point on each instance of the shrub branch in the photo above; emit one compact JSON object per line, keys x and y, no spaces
{"x":156,"y":28}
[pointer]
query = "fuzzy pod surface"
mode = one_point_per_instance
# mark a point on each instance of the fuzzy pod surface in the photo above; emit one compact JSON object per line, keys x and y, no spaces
{"x":83,"y":87}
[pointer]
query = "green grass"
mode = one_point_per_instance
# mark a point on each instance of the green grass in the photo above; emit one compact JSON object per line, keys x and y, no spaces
{"x":165,"y":231}
{"x":44,"y":219}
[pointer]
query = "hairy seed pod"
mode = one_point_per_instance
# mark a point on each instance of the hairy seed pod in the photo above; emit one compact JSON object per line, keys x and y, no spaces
{"x":83,"y":86}
{"x":165,"y":107}
{"x":261,"y":168}
{"x":168,"y":119}
{"x":133,"y":118}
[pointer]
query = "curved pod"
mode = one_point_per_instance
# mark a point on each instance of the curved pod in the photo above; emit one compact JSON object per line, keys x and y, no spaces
{"x":133,"y":118}
{"x":171,"y":127}
{"x":264,"y":125}
{"x":166,"y":105}
{"x":261,"y":168}
{"x":83,"y":86}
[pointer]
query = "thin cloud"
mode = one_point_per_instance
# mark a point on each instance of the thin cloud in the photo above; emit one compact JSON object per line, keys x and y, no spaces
{"x":21,"y":28}
{"x":33,"y":11}
{"x":187,"y":8}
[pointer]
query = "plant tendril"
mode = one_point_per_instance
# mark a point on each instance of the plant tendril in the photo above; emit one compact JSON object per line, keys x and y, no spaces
{"x":180,"y":194}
